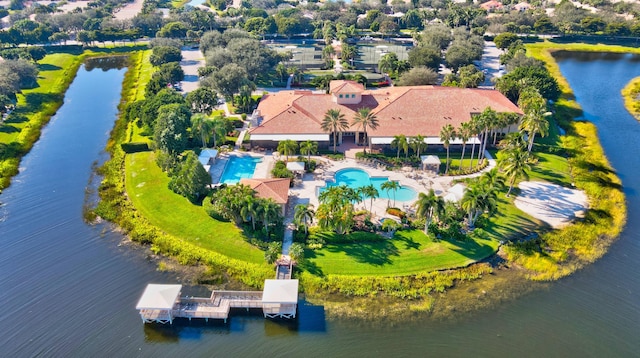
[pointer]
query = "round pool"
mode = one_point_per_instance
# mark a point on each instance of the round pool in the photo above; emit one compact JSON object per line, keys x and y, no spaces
{"x":356,"y":178}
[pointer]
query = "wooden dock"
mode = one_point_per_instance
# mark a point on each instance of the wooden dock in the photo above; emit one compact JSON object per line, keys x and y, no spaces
{"x":163,"y":304}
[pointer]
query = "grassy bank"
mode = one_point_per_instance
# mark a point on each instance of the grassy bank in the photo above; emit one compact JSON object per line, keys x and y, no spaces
{"x":166,"y":221}
{"x":562,"y":252}
{"x":631,"y":96}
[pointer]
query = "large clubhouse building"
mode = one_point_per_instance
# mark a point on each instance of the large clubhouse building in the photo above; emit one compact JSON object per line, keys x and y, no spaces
{"x":412,"y":111}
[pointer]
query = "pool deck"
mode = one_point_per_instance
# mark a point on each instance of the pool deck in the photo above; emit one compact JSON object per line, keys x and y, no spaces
{"x":262,"y":168}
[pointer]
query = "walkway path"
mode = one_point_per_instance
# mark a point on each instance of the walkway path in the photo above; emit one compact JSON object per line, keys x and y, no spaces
{"x":192,"y":60}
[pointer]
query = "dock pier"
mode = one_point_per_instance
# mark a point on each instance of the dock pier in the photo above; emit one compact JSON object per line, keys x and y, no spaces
{"x":279,"y":299}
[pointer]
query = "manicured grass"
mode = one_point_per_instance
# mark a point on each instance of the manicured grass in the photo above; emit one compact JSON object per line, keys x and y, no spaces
{"x":147,"y":187}
{"x":54,"y":72}
{"x":407,"y":253}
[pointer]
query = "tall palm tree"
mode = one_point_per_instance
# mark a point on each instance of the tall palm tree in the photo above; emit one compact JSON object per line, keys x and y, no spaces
{"x":447,"y":134}
{"x":218,"y":129}
{"x":486,"y":120}
{"x":308,"y":147}
{"x":304,"y":215}
{"x":535,"y":110}
{"x":270,"y":213}
{"x":202,"y":127}
{"x":475,"y":130}
{"x":464,"y":133}
{"x":334,"y":122}
{"x":370,"y":191}
{"x":391,"y":185}
{"x":400,"y":142}
{"x":427,"y":205}
{"x":515,"y":164}
{"x":251,"y":210}
{"x":287,"y":147}
{"x":418,"y":144}
{"x":365,"y":118}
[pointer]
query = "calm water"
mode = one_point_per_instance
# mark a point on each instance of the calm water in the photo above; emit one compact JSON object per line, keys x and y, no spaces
{"x":68,"y":289}
{"x":239,"y":167}
{"x":357,"y":178}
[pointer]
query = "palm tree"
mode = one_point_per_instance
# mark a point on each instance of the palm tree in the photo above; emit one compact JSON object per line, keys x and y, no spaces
{"x":201,"y":126}
{"x":464,"y":132}
{"x":270,"y":213}
{"x":365,"y":118}
{"x":391,"y":185}
{"x":427,"y":205}
{"x":492,"y":180}
{"x":334,"y":122}
{"x":400,"y":142}
{"x":296,"y":252}
{"x":513,"y":140}
{"x":486,"y":120}
{"x":370,"y":191}
{"x":251,"y":210}
{"x":447,"y":134}
{"x":515,"y":164}
{"x":287,"y":147}
{"x":475,"y":130}
{"x":304,"y":215}
{"x":308,"y":147}
{"x":418,"y":144}
{"x":535,"y":110}
{"x":219,"y":129}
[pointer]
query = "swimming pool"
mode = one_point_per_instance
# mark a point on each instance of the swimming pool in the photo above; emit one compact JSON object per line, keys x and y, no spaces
{"x":355,"y":178}
{"x":239,"y":167}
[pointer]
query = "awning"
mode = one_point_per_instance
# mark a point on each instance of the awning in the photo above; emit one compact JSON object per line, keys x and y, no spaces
{"x":159,"y":297}
{"x":280,"y":291}
{"x":295,"y":166}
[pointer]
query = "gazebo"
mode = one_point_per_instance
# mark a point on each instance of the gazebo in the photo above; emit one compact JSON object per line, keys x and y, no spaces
{"x":430,"y":162}
{"x":280,"y":298}
{"x":296,"y":167}
{"x":208,"y":156}
{"x":157,"y":303}
{"x":456,"y":193}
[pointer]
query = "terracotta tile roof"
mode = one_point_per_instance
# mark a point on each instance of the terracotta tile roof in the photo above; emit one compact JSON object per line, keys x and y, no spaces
{"x":416,"y":110}
{"x":489,"y":5}
{"x":344,"y":86}
{"x":274,"y":188}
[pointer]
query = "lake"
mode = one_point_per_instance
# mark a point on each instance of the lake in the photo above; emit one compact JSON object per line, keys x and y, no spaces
{"x":69,"y":289}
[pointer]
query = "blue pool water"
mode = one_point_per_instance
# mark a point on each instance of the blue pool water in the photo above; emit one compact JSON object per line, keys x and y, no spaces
{"x":355,"y":178}
{"x":238,"y":168}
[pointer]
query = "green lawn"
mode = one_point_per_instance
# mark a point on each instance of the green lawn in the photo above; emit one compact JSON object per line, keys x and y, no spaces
{"x":146,"y":185}
{"x":52,"y":79}
{"x":408,"y":252}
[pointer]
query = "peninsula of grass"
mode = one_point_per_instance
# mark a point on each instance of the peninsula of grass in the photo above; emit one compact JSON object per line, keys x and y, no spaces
{"x":559,"y":253}
{"x":631,"y":96}
{"x":147,"y":187}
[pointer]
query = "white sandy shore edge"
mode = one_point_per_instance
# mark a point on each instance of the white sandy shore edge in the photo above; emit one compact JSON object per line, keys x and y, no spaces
{"x":551,"y":203}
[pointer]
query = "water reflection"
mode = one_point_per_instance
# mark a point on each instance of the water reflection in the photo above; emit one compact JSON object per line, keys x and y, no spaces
{"x":106,"y":63}
{"x":588,"y":56}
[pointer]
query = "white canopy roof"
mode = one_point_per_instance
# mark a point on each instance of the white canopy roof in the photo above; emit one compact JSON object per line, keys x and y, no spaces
{"x":159,"y":297}
{"x":430,"y":159}
{"x":280,"y":291}
{"x":456,"y":193}
{"x":295,"y":166}
{"x":207,"y":154}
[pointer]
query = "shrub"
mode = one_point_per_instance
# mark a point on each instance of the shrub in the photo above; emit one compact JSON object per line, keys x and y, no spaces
{"x":396,"y":212}
{"x":134,"y":147}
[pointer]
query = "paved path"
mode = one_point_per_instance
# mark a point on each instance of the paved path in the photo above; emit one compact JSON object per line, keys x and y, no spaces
{"x":129,"y":11}
{"x":490,"y":63}
{"x":192,"y":59}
